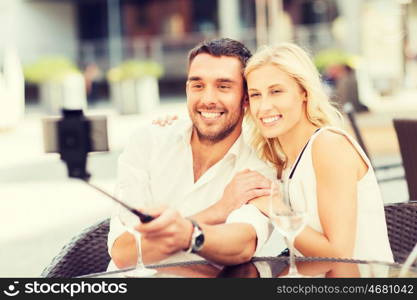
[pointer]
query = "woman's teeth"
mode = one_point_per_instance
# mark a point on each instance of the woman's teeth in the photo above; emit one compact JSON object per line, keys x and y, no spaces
{"x":271,"y":119}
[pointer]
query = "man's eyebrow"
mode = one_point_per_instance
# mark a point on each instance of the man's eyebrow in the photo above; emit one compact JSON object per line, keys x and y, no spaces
{"x":222,"y":80}
{"x":225,"y":80}
{"x":194,"y":78}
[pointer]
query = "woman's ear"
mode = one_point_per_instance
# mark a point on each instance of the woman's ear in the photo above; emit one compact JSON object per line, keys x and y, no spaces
{"x":304,"y":95}
{"x":245,"y":101}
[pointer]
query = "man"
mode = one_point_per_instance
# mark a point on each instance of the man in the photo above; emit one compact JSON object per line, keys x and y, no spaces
{"x":346,"y":90}
{"x":187,"y":167}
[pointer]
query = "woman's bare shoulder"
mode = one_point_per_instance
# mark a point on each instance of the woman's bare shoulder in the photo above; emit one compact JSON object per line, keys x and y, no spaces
{"x":331,"y":147}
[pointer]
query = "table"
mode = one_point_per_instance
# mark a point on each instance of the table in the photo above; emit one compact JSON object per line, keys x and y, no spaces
{"x":271,"y":267}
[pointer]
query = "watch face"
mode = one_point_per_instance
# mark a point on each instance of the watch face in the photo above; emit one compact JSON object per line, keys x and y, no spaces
{"x":197,"y":238}
{"x":199,"y":241}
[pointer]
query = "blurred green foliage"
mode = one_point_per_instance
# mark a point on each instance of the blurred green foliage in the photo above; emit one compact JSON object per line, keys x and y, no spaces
{"x":330,"y":57}
{"x":135,"y":69}
{"x":49,"y":68}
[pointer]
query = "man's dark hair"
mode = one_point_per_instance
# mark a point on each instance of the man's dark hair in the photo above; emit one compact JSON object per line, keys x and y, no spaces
{"x":221,"y":47}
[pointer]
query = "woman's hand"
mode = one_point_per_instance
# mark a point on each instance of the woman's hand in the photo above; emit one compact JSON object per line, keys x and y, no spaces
{"x":273,"y":200}
{"x":168,"y":120}
{"x":245,"y":186}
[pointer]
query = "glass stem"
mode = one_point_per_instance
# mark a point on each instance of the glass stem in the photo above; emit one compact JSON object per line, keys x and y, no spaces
{"x":139,"y":262}
{"x":141,"y":269}
{"x":293,"y":267}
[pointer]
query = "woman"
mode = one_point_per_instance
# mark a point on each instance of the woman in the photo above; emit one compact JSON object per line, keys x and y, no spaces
{"x":294,"y":128}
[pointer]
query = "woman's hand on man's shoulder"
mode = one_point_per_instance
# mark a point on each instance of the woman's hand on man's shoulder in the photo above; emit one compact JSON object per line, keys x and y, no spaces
{"x":165,"y":121}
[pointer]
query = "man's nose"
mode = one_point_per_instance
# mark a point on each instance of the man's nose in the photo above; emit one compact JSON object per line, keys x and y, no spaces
{"x":209,"y":97}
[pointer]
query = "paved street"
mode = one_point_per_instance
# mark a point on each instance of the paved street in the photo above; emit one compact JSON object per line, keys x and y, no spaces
{"x":41,"y":209}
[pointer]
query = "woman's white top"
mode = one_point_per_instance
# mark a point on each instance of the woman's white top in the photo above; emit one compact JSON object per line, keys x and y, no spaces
{"x":371,"y":230}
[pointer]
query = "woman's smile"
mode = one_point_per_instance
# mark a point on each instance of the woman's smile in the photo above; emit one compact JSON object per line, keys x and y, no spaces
{"x":271,"y":120}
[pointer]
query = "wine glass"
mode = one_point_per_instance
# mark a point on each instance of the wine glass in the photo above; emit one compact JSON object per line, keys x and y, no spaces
{"x":409,"y":262}
{"x":289,"y":217}
{"x":129,"y":220}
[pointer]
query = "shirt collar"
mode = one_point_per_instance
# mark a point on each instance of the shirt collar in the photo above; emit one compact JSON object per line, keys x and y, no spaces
{"x":237,"y":148}
{"x":184,"y":134}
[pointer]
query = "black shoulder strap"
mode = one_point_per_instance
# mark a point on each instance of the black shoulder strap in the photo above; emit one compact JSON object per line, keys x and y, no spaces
{"x":301,"y":154}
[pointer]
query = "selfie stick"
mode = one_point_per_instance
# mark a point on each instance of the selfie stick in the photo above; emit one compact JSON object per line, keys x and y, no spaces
{"x":74,"y":144}
{"x":144,"y":218}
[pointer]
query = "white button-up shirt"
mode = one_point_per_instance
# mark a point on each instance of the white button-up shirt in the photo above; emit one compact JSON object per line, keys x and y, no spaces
{"x":156,"y":168}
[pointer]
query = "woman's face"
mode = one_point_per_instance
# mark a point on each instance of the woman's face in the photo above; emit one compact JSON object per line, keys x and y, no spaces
{"x":276,"y":101}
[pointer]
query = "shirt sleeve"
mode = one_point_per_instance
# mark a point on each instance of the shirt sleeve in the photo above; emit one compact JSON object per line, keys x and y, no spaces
{"x":133,"y":184}
{"x":249,"y":214}
{"x":263,"y":168}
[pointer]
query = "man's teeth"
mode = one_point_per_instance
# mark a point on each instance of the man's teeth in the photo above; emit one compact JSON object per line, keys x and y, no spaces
{"x":271,"y":119}
{"x":210,"y":115}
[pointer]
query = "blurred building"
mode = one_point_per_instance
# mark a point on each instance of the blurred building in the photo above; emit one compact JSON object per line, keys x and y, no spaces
{"x":106,"y":32}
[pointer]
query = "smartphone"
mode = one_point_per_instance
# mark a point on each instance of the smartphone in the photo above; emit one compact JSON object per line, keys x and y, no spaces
{"x":98,"y":135}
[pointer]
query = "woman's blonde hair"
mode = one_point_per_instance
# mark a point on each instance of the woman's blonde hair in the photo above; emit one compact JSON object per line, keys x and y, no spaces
{"x":294,"y":61}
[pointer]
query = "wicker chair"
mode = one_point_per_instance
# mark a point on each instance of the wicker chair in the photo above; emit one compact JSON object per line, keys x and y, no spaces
{"x":407,"y":139}
{"x":402,"y":228}
{"x":379,"y":169}
{"x":84,"y":254}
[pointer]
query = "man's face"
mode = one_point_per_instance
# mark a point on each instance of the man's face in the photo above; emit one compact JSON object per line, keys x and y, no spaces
{"x":215,"y":96}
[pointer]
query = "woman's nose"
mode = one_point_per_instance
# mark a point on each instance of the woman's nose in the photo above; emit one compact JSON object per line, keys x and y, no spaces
{"x":265,"y":104}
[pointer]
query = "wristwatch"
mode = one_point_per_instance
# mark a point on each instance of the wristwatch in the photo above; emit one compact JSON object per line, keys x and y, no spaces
{"x":197,"y":238}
